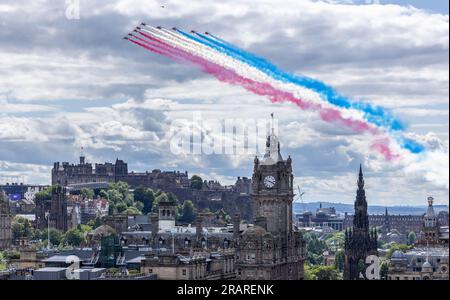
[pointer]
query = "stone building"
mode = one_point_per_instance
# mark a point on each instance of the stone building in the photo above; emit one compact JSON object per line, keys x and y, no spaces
{"x":54,"y":209}
{"x":201,"y":266}
{"x":432,"y":233}
{"x":212,"y":195}
{"x":403,"y":223}
{"x":428,"y":260}
{"x":360,"y":241}
{"x":5,"y":222}
{"x":271,"y":249}
{"x":323,"y":218}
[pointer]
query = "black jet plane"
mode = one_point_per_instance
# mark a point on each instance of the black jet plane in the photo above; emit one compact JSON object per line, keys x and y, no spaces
{"x":174,"y":28}
{"x":159,"y":27}
{"x":143,"y":24}
{"x":206,"y":32}
{"x":193,"y":31}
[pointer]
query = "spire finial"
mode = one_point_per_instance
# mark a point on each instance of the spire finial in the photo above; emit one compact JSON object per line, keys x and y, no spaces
{"x":271,"y":125}
{"x":360,"y":178}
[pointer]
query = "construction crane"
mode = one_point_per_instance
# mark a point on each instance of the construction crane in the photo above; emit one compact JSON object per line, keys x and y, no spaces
{"x":300,"y":196}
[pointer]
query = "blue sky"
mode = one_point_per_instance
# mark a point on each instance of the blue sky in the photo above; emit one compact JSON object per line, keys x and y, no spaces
{"x":440,"y":6}
{"x":68,"y":84}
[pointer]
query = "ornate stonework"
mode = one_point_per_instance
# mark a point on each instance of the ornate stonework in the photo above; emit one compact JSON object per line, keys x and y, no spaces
{"x":360,"y":241}
{"x":271,"y":249}
{"x":5,"y":222}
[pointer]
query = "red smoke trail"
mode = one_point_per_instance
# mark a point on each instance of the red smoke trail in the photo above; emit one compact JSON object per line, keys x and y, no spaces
{"x":275,"y":96}
{"x":382,"y":146}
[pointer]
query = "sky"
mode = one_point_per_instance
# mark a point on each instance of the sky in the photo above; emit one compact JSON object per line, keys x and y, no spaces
{"x":68,"y":83}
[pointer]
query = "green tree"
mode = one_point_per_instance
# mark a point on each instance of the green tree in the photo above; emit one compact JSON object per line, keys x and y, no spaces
{"x":394,"y":246}
{"x":412,"y":238}
{"x":139,"y":206}
{"x":361,"y":266}
{"x":339,"y":260}
{"x":87,"y":193}
{"x":74,"y":237}
{"x":196,"y":182}
{"x":187,"y":212}
{"x":103,"y":194}
{"x":384,"y":269}
{"x":121,"y":207}
{"x":114,"y":196}
{"x":46,"y":194}
{"x":145,"y":196}
{"x":22,"y":228}
{"x":321,"y":272}
{"x":55,"y":236}
{"x":326,"y":273}
{"x":94,"y":223}
{"x":307,"y":270}
{"x":132,"y":211}
{"x":314,"y":248}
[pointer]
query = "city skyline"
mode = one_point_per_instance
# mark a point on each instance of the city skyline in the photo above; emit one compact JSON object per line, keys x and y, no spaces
{"x":91,"y":90}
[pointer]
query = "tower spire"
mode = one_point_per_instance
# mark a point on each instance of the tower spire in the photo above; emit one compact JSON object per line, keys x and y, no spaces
{"x":271,"y":124}
{"x":360,"y":178}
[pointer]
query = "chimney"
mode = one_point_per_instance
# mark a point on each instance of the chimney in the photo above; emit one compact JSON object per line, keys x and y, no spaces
{"x":198,"y":227}
{"x":154,"y":221}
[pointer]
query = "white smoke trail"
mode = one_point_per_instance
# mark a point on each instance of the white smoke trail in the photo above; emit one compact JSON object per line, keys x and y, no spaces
{"x":178,"y":40}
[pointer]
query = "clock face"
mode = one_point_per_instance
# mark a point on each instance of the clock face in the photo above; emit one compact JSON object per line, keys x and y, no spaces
{"x":269,"y":181}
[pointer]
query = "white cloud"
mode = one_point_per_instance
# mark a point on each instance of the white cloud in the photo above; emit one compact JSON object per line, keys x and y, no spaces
{"x":385,"y":54}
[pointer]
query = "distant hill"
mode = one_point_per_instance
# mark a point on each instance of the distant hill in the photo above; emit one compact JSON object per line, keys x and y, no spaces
{"x":372,"y":209}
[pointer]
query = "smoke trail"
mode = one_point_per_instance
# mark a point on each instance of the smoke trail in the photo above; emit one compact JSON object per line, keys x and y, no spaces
{"x":373,"y":114}
{"x":264,"y":89}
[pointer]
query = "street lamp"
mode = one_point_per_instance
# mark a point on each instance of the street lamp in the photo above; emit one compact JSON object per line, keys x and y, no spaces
{"x":47,"y":216}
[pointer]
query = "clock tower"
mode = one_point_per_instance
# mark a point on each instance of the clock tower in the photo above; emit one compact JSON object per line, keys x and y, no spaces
{"x":271,"y":249}
{"x":273,"y":194}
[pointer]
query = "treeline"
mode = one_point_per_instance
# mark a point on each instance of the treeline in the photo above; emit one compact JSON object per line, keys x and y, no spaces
{"x":22,"y":228}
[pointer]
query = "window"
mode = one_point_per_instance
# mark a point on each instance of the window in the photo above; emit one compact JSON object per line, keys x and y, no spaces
{"x":184,"y":272}
{"x":150,"y":271}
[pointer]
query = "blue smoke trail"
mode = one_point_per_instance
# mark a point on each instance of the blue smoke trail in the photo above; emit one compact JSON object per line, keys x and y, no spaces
{"x":374,"y":114}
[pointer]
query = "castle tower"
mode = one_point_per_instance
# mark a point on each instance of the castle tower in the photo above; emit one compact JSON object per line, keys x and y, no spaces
{"x":360,"y":242}
{"x":5,"y":222}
